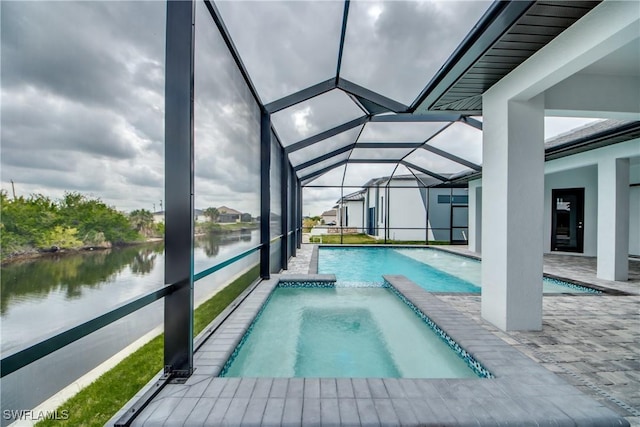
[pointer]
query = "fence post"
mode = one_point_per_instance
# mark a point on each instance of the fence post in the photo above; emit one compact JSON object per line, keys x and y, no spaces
{"x":178,"y":306}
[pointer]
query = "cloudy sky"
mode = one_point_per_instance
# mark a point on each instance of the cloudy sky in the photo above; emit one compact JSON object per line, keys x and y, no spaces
{"x":82,"y":89}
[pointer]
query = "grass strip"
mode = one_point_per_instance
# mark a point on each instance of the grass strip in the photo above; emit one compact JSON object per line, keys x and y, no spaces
{"x":99,"y":401}
{"x":364,"y":239}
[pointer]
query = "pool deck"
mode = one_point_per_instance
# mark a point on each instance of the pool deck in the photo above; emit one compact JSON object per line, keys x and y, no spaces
{"x":589,"y":347}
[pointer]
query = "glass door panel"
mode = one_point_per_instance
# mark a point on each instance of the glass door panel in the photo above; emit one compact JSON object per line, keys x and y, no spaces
{"x":567,"y":220}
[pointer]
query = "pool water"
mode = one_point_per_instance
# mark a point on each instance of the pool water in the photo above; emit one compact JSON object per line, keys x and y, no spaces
{"x":432,"y":269}
{"x":343,"y":332}
{"x":355,"y":265}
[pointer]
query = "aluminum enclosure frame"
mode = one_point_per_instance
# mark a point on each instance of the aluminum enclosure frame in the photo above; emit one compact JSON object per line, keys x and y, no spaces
{"x":179,"y":187}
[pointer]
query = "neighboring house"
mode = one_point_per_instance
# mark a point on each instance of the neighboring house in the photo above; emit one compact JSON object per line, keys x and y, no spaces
{"x":579,"y":166}
{"x":409,"y":208}
{"x":158,"y":217}
{"x":330,"y":217}
{"x":575,"y":211}
{"x":228,"y":215}
{"x":351,"y":211}
{"x":198,"y":216}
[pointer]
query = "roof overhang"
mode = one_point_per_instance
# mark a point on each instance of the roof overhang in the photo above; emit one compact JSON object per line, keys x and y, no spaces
{"x":506,"y":36}
{"x":622,"y":133}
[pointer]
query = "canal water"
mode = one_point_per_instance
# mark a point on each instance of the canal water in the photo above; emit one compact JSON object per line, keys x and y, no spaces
{"x":42,"y":297}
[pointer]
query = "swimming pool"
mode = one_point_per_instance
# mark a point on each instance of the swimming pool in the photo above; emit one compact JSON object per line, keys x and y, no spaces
{"x":342,"y":332}
{"x":432,"y":269}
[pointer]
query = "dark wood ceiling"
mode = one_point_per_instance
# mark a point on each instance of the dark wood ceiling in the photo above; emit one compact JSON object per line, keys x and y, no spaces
{"x":532,"y":30}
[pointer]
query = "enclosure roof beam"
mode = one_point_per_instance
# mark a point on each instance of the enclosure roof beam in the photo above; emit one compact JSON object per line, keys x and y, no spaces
{"x":300,"y":96}
{"x":452,"y":157}
{"x":365,"y":161}
{"x":326,"y":134}
{"x":471,"y":122}
{"x":424,"y":171}
{"x":341,"y":150}
{"x":226,"y":37}
{"x":371,"y":96}
{"x":343,"y":34}
{"x":406,"y":117}
{"x":323,"y":170}
{"x":324,"y":157}
{"x":389,"y":144}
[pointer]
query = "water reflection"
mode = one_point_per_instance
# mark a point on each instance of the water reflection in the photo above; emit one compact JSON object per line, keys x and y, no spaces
{"x":49,"y":295}
{"x":210,"y":243}
{"x":144,"y":260}
{"x":52,"y":293}
{"x":72,"y":273}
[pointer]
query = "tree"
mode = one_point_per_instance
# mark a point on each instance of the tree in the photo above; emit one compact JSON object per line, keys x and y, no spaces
{"x":142,"y":221}
{"x":309,"y":223}
{"x":245,"y":217}
{"x":60,"y":238}
{"x":37,"y":222}
{"x":25,"y":221}
{"x":212,"y":214}
{"x":90,"y":216}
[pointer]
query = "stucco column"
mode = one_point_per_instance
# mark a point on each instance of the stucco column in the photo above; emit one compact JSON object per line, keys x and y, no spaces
{"x":475,"y":216}
{"x":613,"y":219}
{"x":512,"y":211}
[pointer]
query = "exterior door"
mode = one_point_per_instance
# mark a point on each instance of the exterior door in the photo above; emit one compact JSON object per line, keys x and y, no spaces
{"x":372,"y":222}
{"x":567,"y":220}
{"x":459,"y":225}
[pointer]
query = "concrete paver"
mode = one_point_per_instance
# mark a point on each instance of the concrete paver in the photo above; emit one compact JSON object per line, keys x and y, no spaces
{"x":590,"y":342}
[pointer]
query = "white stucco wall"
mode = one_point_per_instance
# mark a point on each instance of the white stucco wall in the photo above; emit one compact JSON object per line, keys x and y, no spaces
{"x":381,"y":211}
{"x":588,"y":160}
{"x":407,"y":215}
{"x":372,"y":202}
{"x":634,"y":208}
{"x":406,"y":210}
{"x":513,"y":160}
{"x":355,"y":211}
{"x":475,"y":215}
{"x":580,"y":171}
{"x":439,"y":215}
{"x":587,"y":178}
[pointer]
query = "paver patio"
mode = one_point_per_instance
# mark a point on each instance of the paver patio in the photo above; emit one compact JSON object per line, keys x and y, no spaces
{"x":589,"y":341}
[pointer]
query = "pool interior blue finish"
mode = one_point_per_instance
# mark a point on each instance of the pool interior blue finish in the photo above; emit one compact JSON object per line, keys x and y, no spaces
{"x":355,"y":265}
{"x":356,"y":348}
{"x":364,"y":332}
{"x":432,"y":269}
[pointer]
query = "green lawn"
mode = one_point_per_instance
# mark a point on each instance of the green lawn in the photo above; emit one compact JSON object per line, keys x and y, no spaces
{"x":97,"y":403}
{"x":234,"y":226}
{"x":365,"y":239}
{"x":352,"y":239}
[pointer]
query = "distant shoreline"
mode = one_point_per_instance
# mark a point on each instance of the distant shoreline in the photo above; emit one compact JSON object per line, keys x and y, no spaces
{"x":36,"y":254}
{"x":30,"y":256}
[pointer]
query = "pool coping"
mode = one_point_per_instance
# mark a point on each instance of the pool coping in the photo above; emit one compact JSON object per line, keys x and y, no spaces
{"x":603,"y":289}
{"x":313,"y":269}
{"x":521,"y":392}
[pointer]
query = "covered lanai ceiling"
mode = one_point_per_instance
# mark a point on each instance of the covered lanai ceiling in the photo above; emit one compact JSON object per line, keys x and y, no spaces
{"x":364,"y":89}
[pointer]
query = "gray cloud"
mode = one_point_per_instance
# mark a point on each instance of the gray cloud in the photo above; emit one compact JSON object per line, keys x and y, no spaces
{"x":87,"y":52}
{"x":83,"y":97}
{"x":396,"y":47}
{"x":83,"y":90}
{"x":318,"y":200}
{"x":143,"y":176}
{"x":461,"y":140}
{"x":314,"y":116}
{"x":285,"y":45}
{"x":87,"y":176}
{"x":25,"y":158}
{"x":39,"y":122}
